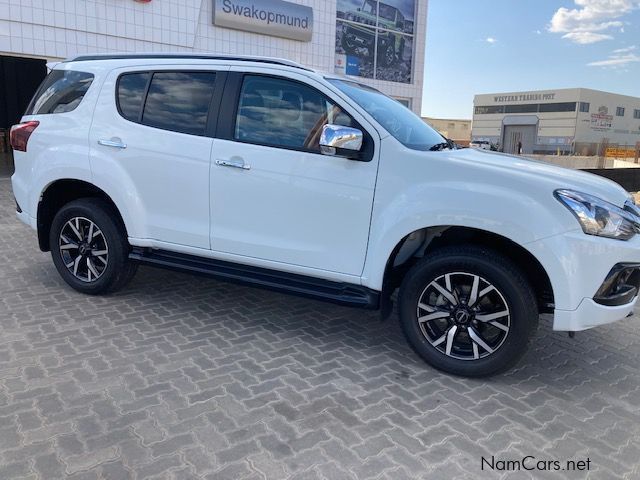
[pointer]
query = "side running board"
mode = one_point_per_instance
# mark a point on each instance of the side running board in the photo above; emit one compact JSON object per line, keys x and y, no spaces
{"x":335,"y":292}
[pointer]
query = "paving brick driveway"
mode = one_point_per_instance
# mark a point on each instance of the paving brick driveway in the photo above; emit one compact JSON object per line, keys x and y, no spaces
{"x":184,"y":377}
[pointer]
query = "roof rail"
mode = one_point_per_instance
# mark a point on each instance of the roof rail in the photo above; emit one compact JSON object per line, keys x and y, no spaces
{"x":194,"y":56}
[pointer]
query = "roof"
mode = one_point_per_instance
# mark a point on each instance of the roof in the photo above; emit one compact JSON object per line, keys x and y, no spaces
{"x":187,"y":56}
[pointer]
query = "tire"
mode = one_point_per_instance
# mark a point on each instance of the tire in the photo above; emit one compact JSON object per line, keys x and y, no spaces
{"x":491,"y":334}
{"x":387,"y":56}
{"x":107,"y":253}
{"x":348,"y":48}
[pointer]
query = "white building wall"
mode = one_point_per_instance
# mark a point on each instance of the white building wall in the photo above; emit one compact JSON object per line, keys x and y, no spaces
{"x":58,"y":29}
{"x":592,"y":126}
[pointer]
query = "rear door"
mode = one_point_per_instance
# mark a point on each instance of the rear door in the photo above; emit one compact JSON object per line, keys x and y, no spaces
{"x":274,"y":196}
{"x":151,"y":144}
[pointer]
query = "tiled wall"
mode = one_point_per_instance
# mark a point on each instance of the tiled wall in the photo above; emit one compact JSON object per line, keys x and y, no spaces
{"x":62,"y":28}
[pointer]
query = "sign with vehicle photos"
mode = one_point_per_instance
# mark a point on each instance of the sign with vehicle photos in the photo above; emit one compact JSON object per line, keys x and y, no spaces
{"x":375,"y":39}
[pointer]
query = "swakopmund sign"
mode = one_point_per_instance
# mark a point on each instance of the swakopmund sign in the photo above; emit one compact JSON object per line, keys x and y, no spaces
{"x":269,"y":17}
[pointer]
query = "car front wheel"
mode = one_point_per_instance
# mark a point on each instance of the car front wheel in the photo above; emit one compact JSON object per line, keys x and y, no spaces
{"x":89,"y":247}
{"x":467,"y":311}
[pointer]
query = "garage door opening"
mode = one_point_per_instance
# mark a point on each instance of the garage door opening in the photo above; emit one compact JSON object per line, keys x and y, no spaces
{"x":519,"y":134}
{"x":19,"y":80}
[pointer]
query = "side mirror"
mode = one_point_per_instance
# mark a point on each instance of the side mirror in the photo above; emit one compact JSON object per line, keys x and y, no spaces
{"x":339,"y":140}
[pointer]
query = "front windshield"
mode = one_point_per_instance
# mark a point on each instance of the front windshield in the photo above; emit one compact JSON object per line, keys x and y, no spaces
{"x":387,"y":12}
{"x":369,"y":7}
{"x":404,"y":125}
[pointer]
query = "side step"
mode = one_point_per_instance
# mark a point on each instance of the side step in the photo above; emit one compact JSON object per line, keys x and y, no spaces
{"x":335,"y":292}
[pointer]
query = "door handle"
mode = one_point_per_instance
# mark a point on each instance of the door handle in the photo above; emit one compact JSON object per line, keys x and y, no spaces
{"x":233,"y":164}
{"x":113,"y":143}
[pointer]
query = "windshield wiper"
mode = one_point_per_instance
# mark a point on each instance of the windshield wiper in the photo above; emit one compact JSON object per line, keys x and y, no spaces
{"x":441,"y":146}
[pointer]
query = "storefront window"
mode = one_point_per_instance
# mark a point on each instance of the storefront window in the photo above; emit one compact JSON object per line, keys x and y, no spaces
{"x":375,"y":39}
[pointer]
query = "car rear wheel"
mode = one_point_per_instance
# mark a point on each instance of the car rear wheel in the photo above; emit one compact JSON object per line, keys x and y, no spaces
{"x":89,"y":247}
{"x":467,"y":311}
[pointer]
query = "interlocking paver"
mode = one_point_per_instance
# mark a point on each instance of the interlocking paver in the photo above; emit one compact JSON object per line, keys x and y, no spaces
{"x":184,"y":377}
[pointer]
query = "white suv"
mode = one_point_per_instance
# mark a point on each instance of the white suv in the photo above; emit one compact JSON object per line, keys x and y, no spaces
{"x":262,"y":171}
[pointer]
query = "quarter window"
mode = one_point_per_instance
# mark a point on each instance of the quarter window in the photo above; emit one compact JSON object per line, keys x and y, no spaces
{"x":286,"y":114}
{"x":61,"y":92}
{"x":179,"y":101}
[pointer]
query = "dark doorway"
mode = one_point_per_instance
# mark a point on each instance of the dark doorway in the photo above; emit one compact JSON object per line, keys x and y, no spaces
{"x":19,"y":79}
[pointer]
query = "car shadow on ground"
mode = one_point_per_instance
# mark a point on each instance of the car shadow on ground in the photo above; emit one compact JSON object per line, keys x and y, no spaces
{"x":214,"y":305}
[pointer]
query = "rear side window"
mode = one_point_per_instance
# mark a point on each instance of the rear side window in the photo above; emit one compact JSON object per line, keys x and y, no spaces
{"x":179,"y":101}
{"x":175,"y":101}
{"x":61,"y":92}
{"x":131,"y":90}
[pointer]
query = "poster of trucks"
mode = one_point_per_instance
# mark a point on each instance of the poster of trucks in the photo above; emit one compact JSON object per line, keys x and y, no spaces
{"x":374,"y":39}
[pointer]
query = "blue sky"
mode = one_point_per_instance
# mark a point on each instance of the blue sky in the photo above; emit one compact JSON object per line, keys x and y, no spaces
{"x":487,"y":46}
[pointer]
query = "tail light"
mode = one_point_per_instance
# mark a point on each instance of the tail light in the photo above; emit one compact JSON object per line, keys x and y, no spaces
{"x":20,"y":133}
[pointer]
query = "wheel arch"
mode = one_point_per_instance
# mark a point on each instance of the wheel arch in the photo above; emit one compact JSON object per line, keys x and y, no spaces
{"x":420,"y":242}
{"x":60,"y":192}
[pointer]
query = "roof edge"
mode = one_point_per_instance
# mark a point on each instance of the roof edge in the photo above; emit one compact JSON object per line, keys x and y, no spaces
{"x":192,"y":56}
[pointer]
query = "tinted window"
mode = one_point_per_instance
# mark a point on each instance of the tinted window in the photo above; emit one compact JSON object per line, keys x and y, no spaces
{"x":636,"y":114}
{"x":488,"y":110}
{"x":131,"y":89}
{"x":620,"y":112}
{"x":286,"y":114}
{"x":584,"y":107}
{"x":179,"y":101}
{"x":527,"y":108}
{"x":62,"y":91}
{"x":558,"y":107}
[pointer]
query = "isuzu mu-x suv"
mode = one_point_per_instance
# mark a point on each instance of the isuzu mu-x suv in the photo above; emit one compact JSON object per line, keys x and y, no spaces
{"x":262,"y":171}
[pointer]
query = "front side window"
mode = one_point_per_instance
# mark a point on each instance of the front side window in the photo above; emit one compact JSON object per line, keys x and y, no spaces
{"x":179,"y":101}
{"x":281,"y":113}
{"x":61,"y":92}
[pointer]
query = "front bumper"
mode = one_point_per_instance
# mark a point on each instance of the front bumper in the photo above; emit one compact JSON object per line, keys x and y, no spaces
{"x":590,"y":314}
{"x":595,"y":280}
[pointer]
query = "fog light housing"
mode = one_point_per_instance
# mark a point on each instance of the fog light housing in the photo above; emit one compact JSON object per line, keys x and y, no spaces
{"x":621,"y":285}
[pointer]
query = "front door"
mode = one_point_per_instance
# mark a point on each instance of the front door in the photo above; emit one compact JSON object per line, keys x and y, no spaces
{"x":274,"y":196}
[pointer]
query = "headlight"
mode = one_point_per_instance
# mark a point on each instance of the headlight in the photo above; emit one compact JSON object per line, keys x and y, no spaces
{"x":599,"y":217}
